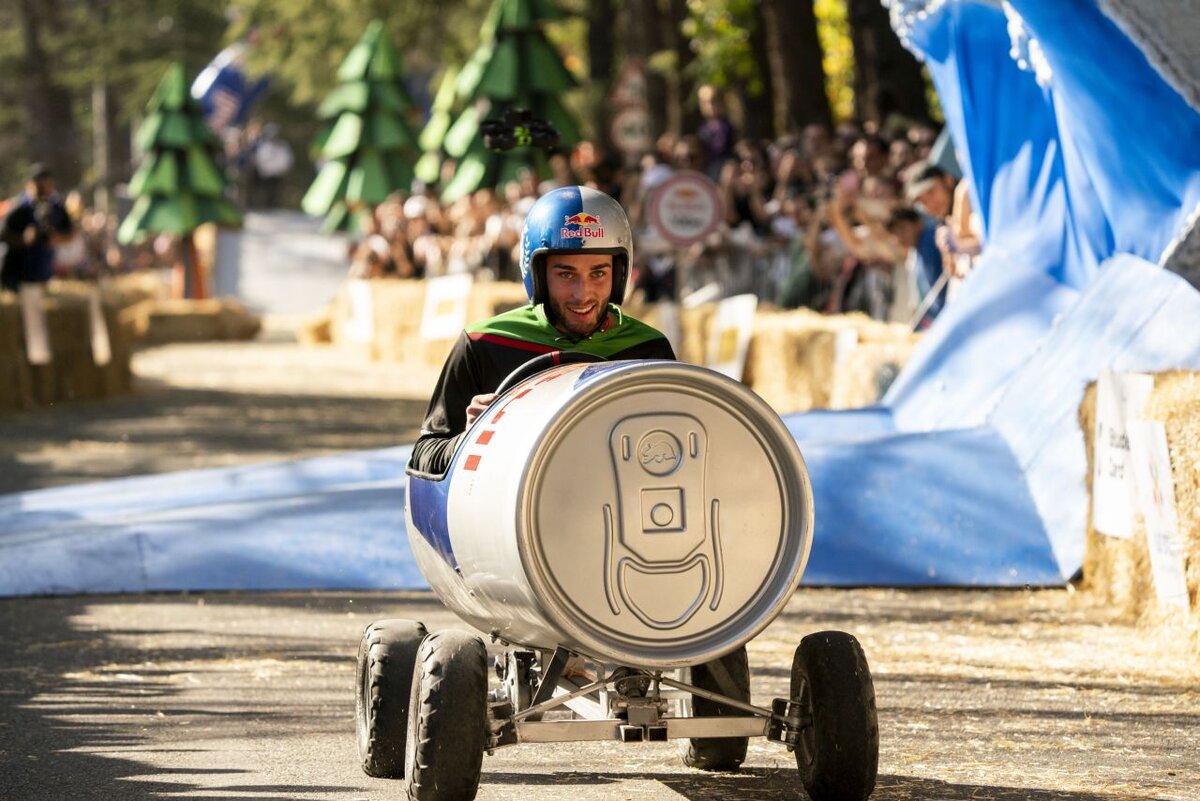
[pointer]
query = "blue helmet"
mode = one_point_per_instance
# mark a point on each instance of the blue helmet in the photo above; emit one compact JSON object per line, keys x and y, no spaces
{"x":574,"y":219}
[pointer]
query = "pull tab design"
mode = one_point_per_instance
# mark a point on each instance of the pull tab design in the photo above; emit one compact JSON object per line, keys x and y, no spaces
{"x":662,"y":548}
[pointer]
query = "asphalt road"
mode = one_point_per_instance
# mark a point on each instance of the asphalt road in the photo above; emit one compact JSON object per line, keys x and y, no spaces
{"x":982,"y":695}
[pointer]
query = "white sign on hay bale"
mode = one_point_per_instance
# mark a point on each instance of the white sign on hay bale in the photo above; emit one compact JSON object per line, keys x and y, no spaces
{"x":445,"y":312}
{"x":33,"y":319}
{"x":360,"y":325}
{"x":670,"y":325}
{"x":1151,"y":462}
{"x":729,"y":337}
{"x":1118,"y":397}
{"x":101,"y":346}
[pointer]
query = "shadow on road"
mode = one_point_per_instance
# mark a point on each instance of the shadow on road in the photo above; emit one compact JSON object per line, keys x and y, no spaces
{"x":778,"y":785}
{"x":171,"y":429}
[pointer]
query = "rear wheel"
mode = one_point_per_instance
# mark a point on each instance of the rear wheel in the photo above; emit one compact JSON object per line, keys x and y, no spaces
{"x":730,"y":676}
{"x":386,"y":655}
{"x":838,"y":755}
{"x":447,"y":718}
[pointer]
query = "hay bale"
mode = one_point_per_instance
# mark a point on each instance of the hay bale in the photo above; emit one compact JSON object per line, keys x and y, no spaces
{"x":868,"y":369}
{"x":166,"y":321}
{"x":72,"y":374}
{"x":317,"y":329}
{"x":397,"y":307}
{"x":1118,"y":570}
{"x":1175,"y":403}
{"x":15,"y":386}
{"x":792,"y":357}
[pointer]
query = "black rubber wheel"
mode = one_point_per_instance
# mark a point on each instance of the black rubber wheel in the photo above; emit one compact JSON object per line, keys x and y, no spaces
{"x":717,"y":753}
{"x":383,"y":686}
{"x":447,"y":718}
{"x":838,"y":756}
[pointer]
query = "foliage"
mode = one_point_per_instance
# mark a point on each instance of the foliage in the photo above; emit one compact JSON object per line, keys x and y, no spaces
{"x":833,"y":28}
{"x":515,"y":66}
{"x":301,"y":44}
{"x":127,"y":44}
{"x":719,"y":31}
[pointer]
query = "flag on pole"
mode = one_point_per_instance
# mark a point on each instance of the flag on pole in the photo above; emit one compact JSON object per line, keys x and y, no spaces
{"x":223,"y":91}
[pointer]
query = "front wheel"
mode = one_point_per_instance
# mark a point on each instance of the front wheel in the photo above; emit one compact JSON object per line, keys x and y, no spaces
{"x":386,"y":655}
{"x":447,"y":728}
{"x":838,"y":754}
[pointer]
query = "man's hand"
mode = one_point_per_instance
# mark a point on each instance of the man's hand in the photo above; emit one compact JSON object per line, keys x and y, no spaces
{"x":478,"y":406}
{"x":30,"y":234}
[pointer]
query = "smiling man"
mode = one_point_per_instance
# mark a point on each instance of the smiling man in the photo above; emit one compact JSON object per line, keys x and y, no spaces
{"x":576,"y":252}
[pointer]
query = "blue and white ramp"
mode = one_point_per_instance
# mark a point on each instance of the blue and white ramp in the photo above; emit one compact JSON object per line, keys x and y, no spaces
{"x":327,"y":523}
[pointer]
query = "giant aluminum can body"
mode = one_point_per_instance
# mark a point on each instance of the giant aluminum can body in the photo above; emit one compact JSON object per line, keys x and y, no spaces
{"x":645,"y":513}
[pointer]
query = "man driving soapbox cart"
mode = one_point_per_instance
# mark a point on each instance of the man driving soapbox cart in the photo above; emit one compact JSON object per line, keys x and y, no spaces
{"x":620,"y":529}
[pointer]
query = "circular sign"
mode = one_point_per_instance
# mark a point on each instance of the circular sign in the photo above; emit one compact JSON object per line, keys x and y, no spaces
{"x":686,"y":208}
{"x":630,"y":129}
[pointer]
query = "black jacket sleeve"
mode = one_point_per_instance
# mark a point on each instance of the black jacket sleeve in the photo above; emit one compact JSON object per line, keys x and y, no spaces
{"x":446,"y":417}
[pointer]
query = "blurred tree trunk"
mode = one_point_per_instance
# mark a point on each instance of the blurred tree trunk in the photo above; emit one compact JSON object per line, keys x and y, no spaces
{"x":759,"y":106}
{"x":601,"y":44}
{"x":795,"y":58}
{"x":887,"y":78}
{"x":50,"y":126}
{"x":644,"y":22}
{"x":683,"y":113}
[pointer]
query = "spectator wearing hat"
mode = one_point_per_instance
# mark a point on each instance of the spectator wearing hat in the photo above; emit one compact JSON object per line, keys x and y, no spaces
{"x":36,"y":221}
{"x":932,"y":189}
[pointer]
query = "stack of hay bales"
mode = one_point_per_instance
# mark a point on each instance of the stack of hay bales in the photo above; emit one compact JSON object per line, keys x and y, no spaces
{"x":801,"y":360}
{"x":396,"y":308}
{"x":1118,"y":570}
{"x":798,"y":360}
{"x":72,"y":373}
{"x":159,"y":322}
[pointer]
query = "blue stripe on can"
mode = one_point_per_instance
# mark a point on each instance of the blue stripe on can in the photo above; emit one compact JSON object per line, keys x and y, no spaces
{"x":428,"y":505}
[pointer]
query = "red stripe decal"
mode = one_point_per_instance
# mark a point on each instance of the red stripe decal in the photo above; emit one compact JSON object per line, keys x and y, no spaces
{"x":472,"y":462}
{"x":509,"y":342}
{"x":484,"y":437}
{"x":499,"y":414}
{"x":521,"y":394}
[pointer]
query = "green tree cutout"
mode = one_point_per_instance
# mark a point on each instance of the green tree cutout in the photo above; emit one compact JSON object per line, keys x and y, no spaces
{"x":369,"y":148}
{"x":178,"y":186}
{"x":516,"y":66}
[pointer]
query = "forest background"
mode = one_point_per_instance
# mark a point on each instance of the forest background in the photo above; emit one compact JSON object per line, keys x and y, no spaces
{"x":78,"y":73}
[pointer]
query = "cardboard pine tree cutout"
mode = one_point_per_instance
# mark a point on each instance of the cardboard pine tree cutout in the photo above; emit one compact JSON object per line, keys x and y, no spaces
{"x":516,"y":66}
{"x":179,"y":185}
{"x":369,"y":148}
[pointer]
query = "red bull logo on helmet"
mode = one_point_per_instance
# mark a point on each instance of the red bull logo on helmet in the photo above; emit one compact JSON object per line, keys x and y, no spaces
{"x":582,"y":226}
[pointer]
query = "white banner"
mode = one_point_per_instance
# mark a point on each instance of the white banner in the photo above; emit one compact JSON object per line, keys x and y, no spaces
{"x":1151,"y":462}
{"x":1118,"y":397}
{"x":101,"y":346}
{"x":33,"y":319}
{"x":729,"y":338}
{"x":668,"y":323}
{"x":445,"y":312}
{"x":360,"y":325}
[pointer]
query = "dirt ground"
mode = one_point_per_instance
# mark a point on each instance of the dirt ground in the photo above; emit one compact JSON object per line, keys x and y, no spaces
{"x":995,"y":695}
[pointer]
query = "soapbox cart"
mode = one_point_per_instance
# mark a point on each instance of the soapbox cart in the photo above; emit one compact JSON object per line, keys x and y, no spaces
{"x":620,"y":531}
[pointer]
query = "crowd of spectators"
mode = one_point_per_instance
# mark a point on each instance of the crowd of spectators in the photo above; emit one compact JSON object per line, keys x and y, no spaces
{"x":854,"y":219}
{"x":835,"y":221}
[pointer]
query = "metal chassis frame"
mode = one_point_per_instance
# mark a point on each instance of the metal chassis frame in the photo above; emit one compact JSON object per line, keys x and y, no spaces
{"x":644,"y":723}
